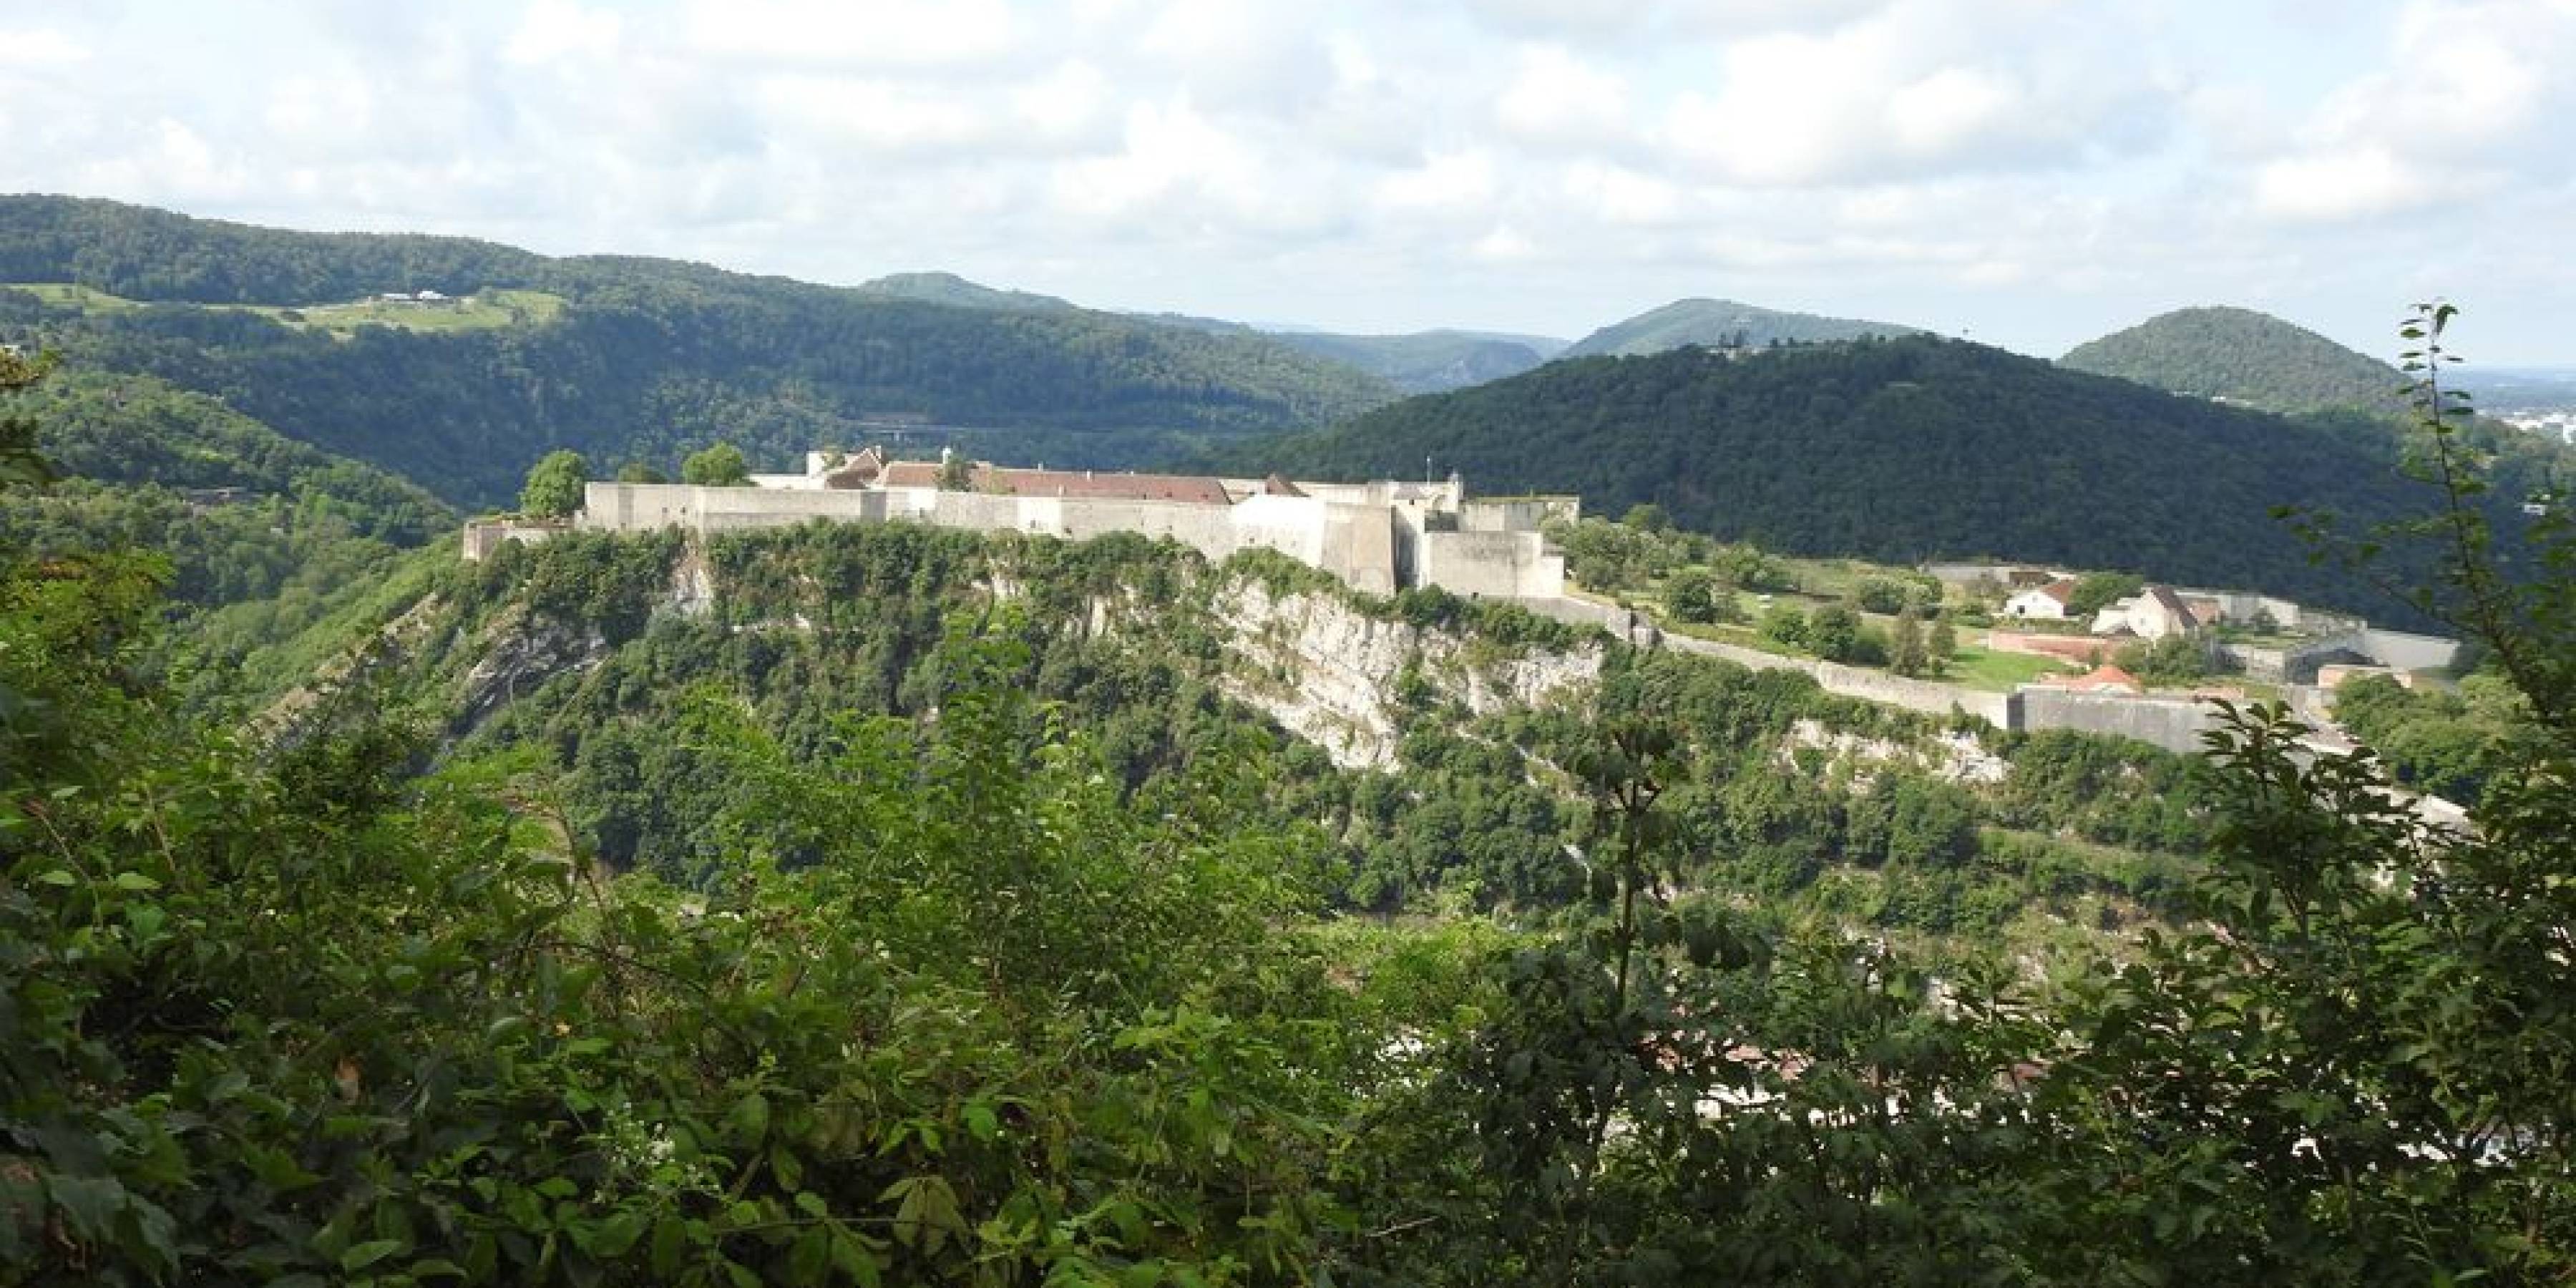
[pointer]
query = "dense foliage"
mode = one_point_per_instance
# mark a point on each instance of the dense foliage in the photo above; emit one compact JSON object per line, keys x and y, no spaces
{"x":2443,"y":742}
{"x":1721,"y":324}
{"x":649,"y":360}
{"x":2244,"y":357}
{"x":1901,"y":451}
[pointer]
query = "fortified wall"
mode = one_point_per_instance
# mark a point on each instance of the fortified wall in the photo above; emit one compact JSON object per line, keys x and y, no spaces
{"x":1377,"y":537}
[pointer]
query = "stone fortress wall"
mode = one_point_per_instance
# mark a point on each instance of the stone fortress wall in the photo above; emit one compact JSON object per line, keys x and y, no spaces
{"x":1377,"y":537}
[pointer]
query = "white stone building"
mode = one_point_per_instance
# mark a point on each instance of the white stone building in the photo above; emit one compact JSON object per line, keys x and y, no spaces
{"x":2151,"y":614}
{"x":2042,"y":603}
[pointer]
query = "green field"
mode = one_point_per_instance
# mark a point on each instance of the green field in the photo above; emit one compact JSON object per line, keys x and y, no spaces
{"x":1982,"y":668}
{"x":67,"y":295}
{"x":481,"y":311}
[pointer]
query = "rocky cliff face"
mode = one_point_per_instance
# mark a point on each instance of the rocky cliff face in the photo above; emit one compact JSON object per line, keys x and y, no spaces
{"x":522,"y":654}
{"x":1326,"y":670}
{"x":1334,"y":675}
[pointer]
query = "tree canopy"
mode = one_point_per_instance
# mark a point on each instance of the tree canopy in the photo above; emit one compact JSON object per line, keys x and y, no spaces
{"x":719,"y":466}
{"x":554,"y":487}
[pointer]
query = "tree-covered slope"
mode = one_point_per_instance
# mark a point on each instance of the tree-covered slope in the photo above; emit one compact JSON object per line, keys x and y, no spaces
{"x":2244,"y":357}
{"x":265,"y":538}
{"x":1721,"y":324}
{"x":647,"y":358}
{"x":1898,"y":450}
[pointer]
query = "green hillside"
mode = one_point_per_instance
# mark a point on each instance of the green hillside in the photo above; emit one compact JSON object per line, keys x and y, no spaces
{"x":2244,"y":357}
{"x":646,"y":359}
{"x":1719,"y":324}
{"x":1899,"y":450}
{"x":265,"y":539}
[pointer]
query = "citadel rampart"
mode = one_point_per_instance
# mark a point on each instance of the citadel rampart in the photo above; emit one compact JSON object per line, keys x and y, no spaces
{"x":1375,"y":543}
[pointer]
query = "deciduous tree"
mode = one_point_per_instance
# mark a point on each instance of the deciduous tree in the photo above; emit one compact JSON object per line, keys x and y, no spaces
{"x":555,"y":484}
{"x":719,"y":466}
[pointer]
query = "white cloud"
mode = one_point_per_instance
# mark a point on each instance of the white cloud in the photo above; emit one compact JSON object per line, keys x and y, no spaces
{"x":558,"y":29}
{"x":1503,"y":245}
{"x":1951,"y":109}
{"x":1070,"y":103}
{"x":1556,"y":97}
{"x":40,"y":47}
{"x":331,"y":112}
{"x":1172,"y":156}
{"x":1458,"y":183}
{"x":856,"y":33}
{"x":2349,"y":184}
{"x":1618,"y":195}
{"x":2467,"y":93}
{"x":1919,"y":87}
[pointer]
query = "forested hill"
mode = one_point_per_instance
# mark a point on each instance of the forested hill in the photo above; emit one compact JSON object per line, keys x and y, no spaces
{"x":1898,"y":450}
{"x":644,"y":359}
{"x":271,"y":544}
{"x":1719,"y":324}
{"x":2244,"y":357}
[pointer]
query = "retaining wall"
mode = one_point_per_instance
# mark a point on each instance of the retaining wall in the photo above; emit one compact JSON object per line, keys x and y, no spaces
{"x":2298,"y":663}
{"x":2404,"y":651}
{"x":1498,"y":565}
{"x":483,"y":536}
{"x":2174,"y":724}
{"x":1515,"y":514}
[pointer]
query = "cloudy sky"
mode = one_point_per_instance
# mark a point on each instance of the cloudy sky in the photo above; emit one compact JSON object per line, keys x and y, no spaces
{"x":2025,"y":172}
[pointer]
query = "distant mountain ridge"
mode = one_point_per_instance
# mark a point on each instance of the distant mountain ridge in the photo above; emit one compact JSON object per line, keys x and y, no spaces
{"x":1417,"y":362}
{"x":647,"y":359}
{"x":950,"y":289}
{"x":1424,"y":361}
{"x":2244,"y":357}
{"x":1720,"y":323}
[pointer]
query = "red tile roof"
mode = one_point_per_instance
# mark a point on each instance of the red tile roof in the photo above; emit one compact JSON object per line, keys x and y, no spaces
{"x":1087,"y":484}
{"x":2100,"y":678}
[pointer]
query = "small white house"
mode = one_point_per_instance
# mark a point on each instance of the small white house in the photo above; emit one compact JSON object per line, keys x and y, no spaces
{"x":2042,"y":603}
{"x":2151,"y":614}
